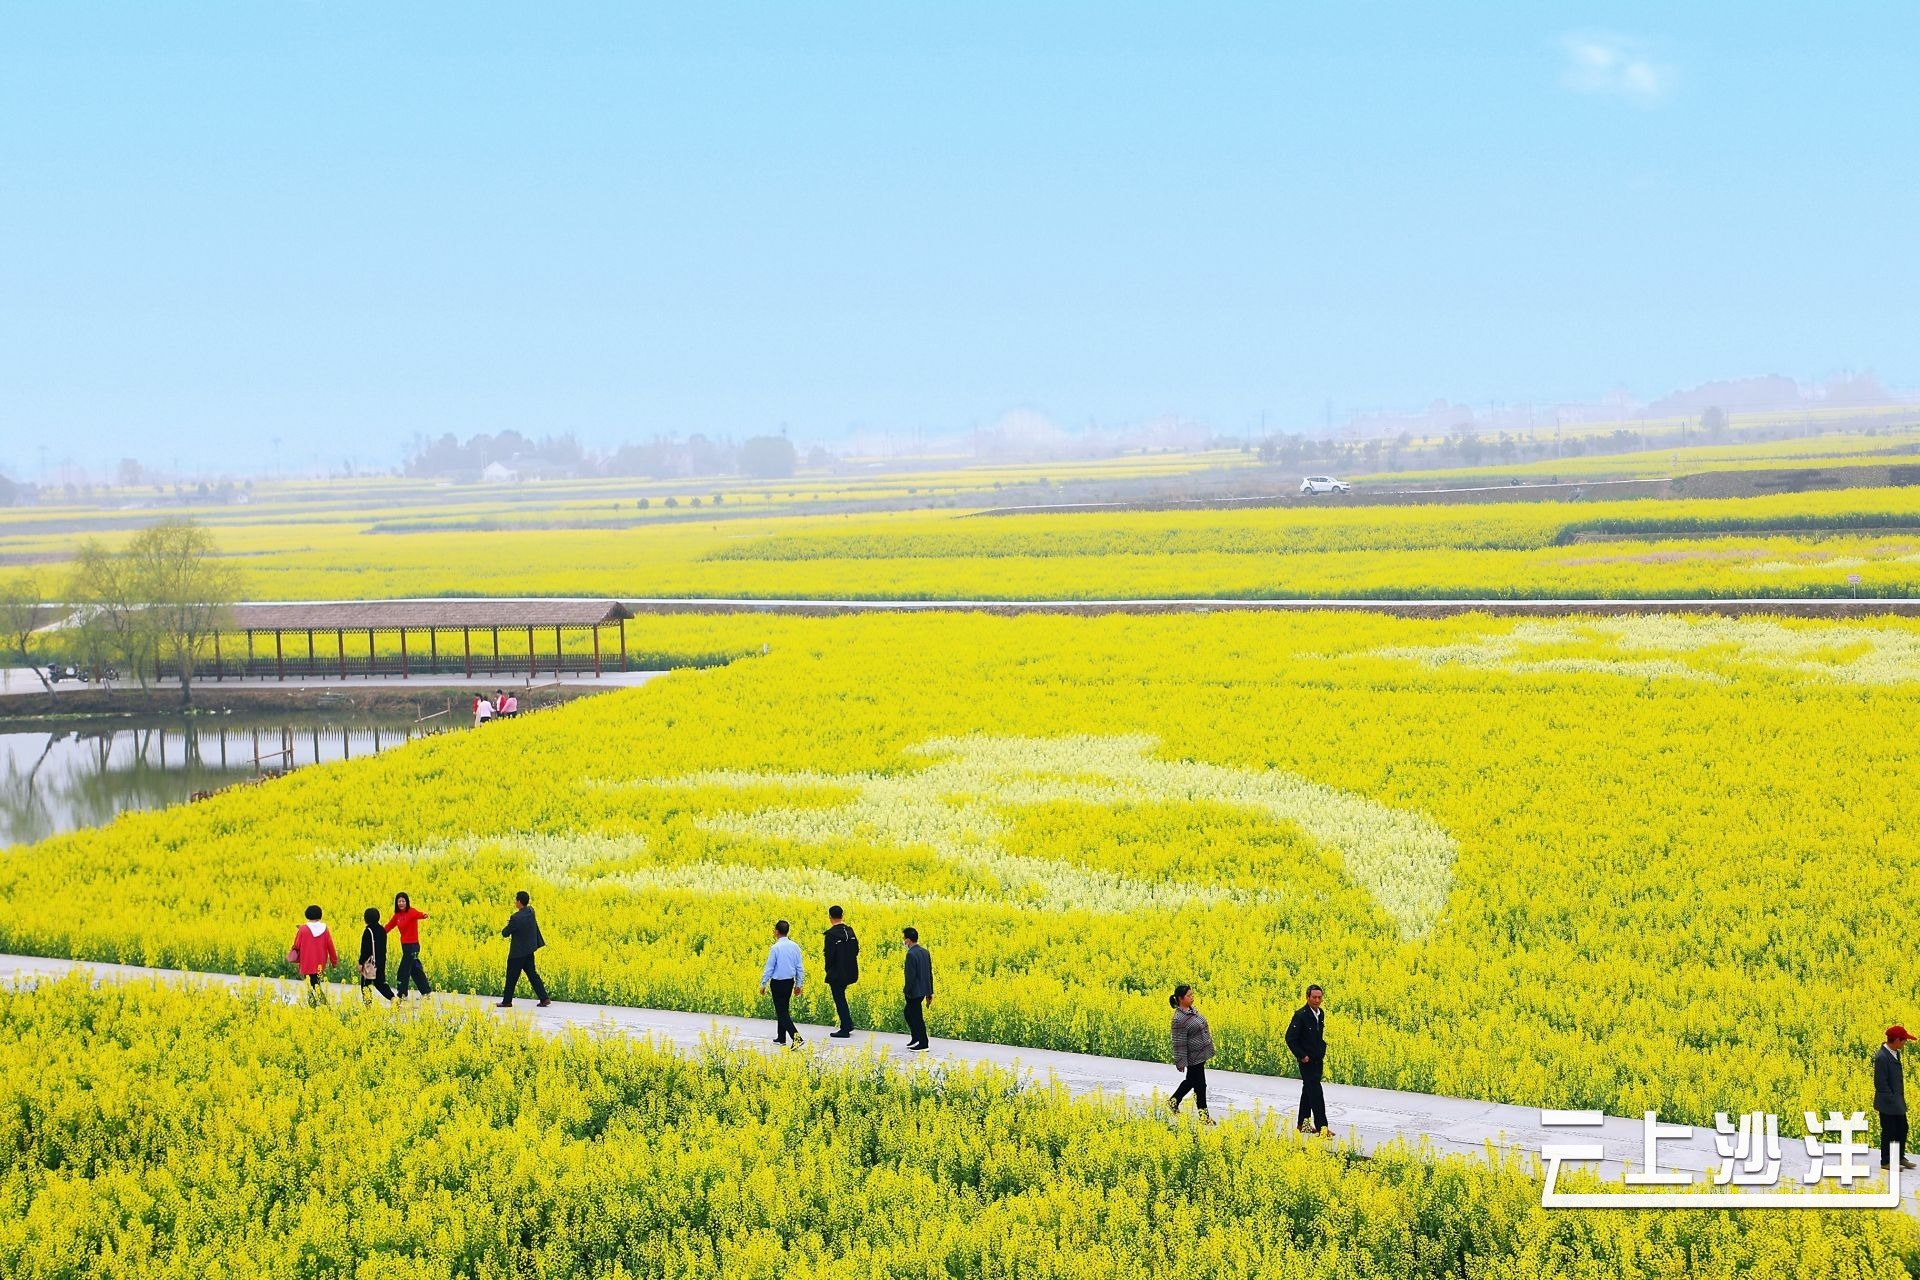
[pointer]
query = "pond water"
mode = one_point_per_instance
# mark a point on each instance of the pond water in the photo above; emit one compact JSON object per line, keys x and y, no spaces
{"x":58,"y":777}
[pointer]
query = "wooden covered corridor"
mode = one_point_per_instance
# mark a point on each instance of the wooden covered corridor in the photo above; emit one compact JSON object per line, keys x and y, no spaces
{"x":418,"y":638}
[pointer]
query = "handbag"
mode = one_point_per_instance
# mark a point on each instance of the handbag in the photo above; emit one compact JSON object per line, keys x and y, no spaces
{"x":368,"y":969}
{"x":293,"y":956}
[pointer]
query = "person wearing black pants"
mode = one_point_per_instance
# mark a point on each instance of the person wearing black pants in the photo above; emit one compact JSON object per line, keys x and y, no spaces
{"x":784,"y":975}
{"x":1307,"y":1039}
{"x":843,"y":967}
{"x":781,"y":989}
{"x":1890,"y":1096}
{"x":919,"y":989}
{"x":1192,"y":1049}
{"x":523,"y":939}
{"x":406,"y":918}
{"x":373,"y":956}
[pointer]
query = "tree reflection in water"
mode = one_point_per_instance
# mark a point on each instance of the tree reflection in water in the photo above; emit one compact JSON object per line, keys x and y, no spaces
{"x":59,"y":778}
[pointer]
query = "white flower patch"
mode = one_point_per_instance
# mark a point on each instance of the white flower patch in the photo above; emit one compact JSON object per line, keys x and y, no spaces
{"x":1510,"y":651}
{"x":556,"y":859}
{"x":1853,"y":654}
{"x":956,"y":807}
{"x":386,"y":853}
{"x":563,"y":859}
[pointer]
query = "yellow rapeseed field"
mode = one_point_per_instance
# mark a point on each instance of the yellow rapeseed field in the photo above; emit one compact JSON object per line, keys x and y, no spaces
{"x":1622,"y":863}
{"x":1813,"y":544}
{"x":158,"y":1133}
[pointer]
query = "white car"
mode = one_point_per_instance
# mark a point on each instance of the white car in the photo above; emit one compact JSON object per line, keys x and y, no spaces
{"x":1324,"y":484}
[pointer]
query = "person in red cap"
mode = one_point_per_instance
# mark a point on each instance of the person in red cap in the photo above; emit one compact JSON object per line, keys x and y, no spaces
{"x":1890,"y":1095}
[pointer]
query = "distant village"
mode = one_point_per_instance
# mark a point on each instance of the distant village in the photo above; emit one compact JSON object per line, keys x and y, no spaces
{"x":1445,"y":433}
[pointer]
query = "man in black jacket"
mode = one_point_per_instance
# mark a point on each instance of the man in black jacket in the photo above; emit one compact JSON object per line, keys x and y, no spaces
{"x":1307,"y":1039}
{"x":843,"y":967}
{"x":523,"y":939}
{"x":1890,"y":1095}
{"x":919,"y":988}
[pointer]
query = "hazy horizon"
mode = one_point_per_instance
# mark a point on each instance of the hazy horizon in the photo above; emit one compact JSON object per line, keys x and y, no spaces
{"x":344,"y":226}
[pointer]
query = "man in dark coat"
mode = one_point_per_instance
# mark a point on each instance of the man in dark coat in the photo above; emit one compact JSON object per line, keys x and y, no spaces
{"x":1890,"y":1095}
{"x":523,"y":939}
{"x":843,"y":967}
{"x":919,"y":988}
{"x":1307,"y":1039}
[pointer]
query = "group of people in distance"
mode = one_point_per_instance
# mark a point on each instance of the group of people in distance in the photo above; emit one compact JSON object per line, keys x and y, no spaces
{"x":503,"y":705}
{"x":785,"y":974}
{"x":1306,"y":1040}
{"x":313,"y":952}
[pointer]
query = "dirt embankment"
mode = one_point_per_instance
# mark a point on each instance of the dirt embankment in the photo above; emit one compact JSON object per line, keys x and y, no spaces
{"x":1705,"y":484}
{"x":67,"y":703}
{"x":1593,"y":490}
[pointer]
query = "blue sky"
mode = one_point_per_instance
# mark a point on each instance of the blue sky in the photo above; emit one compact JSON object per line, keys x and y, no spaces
{"x":344,"y":223}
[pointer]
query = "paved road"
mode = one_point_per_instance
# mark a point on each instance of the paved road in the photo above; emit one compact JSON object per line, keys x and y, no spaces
{"x":1367,"y":1117}
{"x":1805,"y":606}
{"x":1800,"y":606}
{"x":1795,"y":607}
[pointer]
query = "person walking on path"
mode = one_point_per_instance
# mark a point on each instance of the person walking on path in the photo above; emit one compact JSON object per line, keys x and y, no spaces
{"x":482,"y":710}
{"x":312,"y":951}
{"x":523,"y":939}
{"x":406,"y":918}
{"x":784,"y":975}
{"x":1307,"y":1039}
{"x":919,"y":988}
{"x":373,"y":956}
{"x":843,"y":967}
{"x":1890,"y":1095}
{"x":1192,"y":1048}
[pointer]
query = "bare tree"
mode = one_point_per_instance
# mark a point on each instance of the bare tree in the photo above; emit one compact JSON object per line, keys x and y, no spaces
{"x":23,"y":612}
{"x":186,"y":589}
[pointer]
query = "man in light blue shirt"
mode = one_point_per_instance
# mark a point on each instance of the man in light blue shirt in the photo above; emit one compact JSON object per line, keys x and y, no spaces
{"x":786,"y":971}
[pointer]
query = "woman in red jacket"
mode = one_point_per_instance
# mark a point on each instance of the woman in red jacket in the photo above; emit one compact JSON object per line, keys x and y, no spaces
{"x":312,"y":951}
{"x":407,"y":920}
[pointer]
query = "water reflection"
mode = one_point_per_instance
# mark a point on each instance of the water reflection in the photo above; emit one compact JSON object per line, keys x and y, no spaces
{"x":80,"y":775}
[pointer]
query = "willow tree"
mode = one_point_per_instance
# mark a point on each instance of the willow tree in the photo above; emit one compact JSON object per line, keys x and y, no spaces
{"x":108,"y":619}
{"x":159,"y":601}
{"x":187,"y":590}
{"x":24,"y":615}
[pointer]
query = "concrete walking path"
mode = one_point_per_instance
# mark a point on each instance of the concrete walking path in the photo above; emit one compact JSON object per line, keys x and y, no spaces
{"x":1367,"y":1117}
